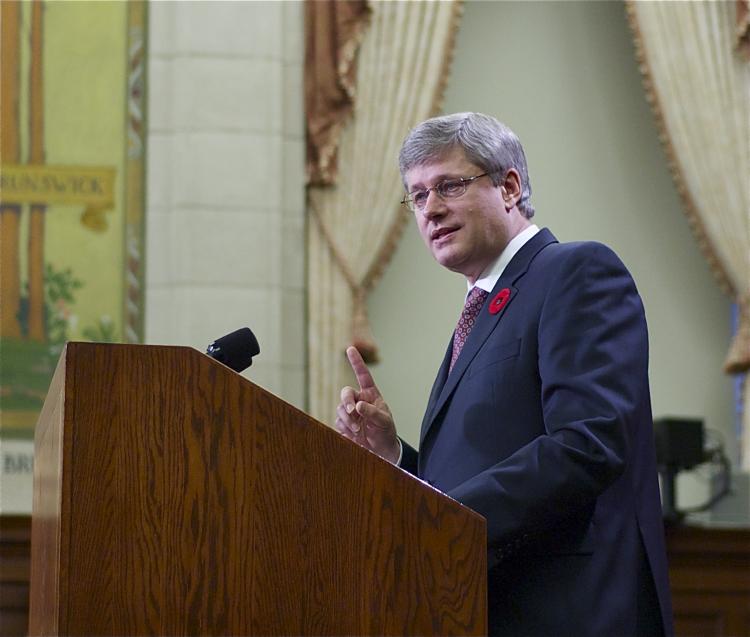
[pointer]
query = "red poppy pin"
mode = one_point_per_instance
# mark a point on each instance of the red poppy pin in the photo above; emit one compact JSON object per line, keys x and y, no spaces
{"x":500,"y":300}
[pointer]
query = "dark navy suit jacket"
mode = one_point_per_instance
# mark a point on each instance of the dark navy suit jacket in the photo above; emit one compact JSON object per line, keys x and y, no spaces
{"x":544,"y":427}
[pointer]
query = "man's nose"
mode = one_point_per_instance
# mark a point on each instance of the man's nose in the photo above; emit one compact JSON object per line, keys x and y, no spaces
{"x":434,"y":206}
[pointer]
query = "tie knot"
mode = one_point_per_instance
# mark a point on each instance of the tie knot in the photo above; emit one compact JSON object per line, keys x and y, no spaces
{"x":474,"y":302}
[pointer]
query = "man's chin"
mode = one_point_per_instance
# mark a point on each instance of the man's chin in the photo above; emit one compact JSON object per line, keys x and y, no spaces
{"x":449,"y":259}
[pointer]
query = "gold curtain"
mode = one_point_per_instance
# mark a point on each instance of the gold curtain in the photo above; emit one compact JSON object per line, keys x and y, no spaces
{"x":743,"y":28}
{"x":403,"y":67}
{"x":333,"y":33}
{"x":699,"y":87}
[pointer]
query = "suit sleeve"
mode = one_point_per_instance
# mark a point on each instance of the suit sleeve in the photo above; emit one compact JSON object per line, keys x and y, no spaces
{"x":592,"y":362}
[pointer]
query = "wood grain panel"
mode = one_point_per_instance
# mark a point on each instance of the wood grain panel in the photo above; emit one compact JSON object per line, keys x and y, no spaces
{"x":46,"y":533}
{"x":194,"y":502}
{"x":15,"y":544}
{"x":709,"y":572}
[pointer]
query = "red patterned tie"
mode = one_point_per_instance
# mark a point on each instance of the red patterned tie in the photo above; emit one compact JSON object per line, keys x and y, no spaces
{"x":474,"y":303}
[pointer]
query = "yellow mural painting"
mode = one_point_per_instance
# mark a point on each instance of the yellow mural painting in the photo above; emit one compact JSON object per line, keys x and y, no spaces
{"x":71,"y":189}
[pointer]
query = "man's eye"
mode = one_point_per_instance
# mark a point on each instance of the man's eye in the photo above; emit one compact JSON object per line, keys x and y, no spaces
{"x":419,"y":197}
{"x":451,"y":188}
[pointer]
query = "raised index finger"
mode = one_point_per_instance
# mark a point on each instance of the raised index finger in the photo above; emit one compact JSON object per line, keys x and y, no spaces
{"x":364,"y":377}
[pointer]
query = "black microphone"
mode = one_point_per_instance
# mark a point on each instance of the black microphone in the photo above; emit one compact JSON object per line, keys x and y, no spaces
{"x":235,"y":350}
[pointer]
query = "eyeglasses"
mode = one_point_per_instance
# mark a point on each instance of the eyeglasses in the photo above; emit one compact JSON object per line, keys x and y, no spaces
{"x":446,"y":189}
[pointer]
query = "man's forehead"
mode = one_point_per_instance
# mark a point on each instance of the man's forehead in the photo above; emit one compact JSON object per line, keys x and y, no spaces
{"x":449,"y":164}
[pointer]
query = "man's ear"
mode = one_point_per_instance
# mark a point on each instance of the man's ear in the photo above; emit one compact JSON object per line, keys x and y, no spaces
{"x":511,"y":188}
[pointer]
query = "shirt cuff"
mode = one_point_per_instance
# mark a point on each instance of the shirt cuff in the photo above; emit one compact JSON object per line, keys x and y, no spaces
{"x":400,"y":452}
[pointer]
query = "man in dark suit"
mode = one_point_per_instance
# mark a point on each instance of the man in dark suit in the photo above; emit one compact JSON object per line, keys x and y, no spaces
{"x":540,"y":415}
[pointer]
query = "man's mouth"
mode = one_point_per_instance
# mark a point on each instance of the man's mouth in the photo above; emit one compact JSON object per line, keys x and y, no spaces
{"x":441,"y":233}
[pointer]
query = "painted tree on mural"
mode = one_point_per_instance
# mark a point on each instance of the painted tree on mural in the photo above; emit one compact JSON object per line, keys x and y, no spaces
{"x":56,"y":282}
{"x":10,"y":213}
{"x":36,"y":331}
{"x":10,"y":148}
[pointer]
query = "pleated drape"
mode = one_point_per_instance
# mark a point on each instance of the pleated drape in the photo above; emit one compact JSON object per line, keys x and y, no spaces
{"x":355,"y":225}
{"x":698,"y":84}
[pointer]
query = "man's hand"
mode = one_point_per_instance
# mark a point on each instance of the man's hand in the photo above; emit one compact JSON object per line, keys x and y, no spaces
{"x":363,"y":416}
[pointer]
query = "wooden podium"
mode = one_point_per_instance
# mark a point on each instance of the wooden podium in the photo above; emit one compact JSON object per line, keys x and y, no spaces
{"x":174,"y":497}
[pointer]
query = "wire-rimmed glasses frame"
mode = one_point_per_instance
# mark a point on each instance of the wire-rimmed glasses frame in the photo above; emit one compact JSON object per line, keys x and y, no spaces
{"x":445,"y":189}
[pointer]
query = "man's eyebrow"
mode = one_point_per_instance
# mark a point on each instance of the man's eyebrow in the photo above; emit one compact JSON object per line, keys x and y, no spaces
{"x":442,"y":177}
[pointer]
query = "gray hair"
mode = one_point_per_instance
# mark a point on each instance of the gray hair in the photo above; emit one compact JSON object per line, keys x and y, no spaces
{"x":486,"y":142}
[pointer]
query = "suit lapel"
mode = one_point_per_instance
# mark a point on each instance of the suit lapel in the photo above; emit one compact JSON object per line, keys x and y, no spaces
{"x":485,"y":324}
{"x":437,"y":386}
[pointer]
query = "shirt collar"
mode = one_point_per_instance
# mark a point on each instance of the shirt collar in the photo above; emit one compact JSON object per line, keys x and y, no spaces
{"x":490,"y":276}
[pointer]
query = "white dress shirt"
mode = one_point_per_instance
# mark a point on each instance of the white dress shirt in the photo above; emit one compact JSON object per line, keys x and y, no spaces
{"x":490,"y":276}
